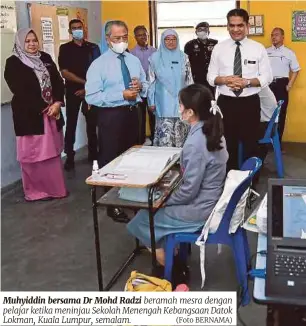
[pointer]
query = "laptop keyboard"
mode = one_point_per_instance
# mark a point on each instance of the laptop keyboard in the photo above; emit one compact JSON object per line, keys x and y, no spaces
{"x":288,"y":265}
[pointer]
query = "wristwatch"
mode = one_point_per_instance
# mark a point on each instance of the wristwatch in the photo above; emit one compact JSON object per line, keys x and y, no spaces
{"x":248,"y":85}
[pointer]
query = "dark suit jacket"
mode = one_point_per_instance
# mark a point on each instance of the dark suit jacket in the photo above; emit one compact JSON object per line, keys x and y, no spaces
{"x":27,"y":103}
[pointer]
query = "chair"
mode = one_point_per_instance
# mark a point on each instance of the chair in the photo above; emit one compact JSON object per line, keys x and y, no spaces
{"x":271,"y":137}
{"x":237,"y":241}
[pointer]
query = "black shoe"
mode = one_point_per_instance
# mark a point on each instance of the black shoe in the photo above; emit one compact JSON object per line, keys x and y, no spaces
{"x":117,"y":215}
{"x":69,"y":163}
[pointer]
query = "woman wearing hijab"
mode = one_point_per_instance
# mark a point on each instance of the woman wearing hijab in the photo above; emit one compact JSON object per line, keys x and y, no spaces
{"x":169,"y":72}
{"x":38,"y":94}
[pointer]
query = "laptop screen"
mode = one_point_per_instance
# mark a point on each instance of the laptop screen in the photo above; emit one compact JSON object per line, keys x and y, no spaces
{"x":289,"y":211}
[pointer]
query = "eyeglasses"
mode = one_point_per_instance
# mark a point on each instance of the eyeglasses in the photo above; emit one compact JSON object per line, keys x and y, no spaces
{"x":168,"y":40}
{"x":117,"y":39}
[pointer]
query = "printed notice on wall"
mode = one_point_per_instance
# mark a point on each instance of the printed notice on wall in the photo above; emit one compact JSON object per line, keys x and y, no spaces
{"x":49,"y":48}
{"x":47,"y":29}
{"x":299,"y":26}
{"x":63,"y":26}
{"x":8,"y":17}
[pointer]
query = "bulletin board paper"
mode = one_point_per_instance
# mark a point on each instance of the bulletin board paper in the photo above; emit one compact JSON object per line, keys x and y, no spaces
{"x":49,"y":48}
{"x":38,"y":11}
{"x":63,"y":26}
{"x":47,"y":29}
{"x":8,"y":30}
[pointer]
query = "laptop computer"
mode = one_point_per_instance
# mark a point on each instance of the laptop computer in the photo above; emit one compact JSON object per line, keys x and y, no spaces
{"x":286,"y":256}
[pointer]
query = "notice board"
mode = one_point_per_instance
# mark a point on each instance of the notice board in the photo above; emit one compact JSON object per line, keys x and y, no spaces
{"x":8,"y":30}
{"x":50,"y":23}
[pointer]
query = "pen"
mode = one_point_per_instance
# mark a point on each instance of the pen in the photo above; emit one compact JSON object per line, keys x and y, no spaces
{"x":114,"y":176}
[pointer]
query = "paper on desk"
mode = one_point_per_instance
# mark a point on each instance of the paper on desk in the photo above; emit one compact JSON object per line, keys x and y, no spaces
{"x":143,"y":162}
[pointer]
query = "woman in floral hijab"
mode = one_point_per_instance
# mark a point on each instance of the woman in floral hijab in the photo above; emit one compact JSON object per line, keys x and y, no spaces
{"x":38,"y":94}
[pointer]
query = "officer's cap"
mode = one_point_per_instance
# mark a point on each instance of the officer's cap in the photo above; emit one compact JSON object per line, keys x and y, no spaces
{"x":203,"y":24}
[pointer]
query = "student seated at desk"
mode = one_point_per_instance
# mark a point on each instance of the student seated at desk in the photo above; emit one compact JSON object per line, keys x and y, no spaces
{"x":203,"y":164}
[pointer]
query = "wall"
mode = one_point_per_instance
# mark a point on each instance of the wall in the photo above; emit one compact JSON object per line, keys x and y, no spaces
{"x":10,"y":171}
{"x":279,"y":13}
{"x":133,"y":13}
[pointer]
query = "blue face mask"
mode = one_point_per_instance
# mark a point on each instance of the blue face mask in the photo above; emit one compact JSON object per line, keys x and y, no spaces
{"x":78,"y":34}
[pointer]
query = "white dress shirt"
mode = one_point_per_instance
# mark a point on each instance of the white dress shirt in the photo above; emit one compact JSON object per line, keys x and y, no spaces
{"x":254,"y":60}
{"x":268,"y":104}
{"x":282,"y":60}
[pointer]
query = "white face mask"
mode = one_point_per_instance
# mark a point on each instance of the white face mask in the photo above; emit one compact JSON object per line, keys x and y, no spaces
{"x":119,"y":47}
{"x":181,"y":116}
{"x":202,"y":35}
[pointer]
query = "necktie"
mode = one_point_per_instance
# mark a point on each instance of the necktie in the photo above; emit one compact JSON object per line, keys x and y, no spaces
{"x":125,"y":72}
{"x":237,"y":66}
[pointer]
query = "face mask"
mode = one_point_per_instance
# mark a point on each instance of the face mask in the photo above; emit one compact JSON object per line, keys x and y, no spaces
{"x":202,"y":35}
{"x":182,"y":119}
{"x":78,"y":34}
{"x":119,"y":47}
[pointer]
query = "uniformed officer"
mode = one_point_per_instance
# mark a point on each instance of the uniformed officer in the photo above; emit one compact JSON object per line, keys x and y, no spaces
{"x":199,"y":51}
{"x":283,"y":61}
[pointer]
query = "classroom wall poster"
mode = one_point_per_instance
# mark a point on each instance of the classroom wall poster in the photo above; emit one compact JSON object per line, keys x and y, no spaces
{"x":299,"y":26}
{"x":47,"y":29}
{"x":49,"y":48}
{"x":63,"y":26}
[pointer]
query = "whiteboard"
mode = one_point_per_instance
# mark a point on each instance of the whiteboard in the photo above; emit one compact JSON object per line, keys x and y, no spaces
{"x":8,"y":27}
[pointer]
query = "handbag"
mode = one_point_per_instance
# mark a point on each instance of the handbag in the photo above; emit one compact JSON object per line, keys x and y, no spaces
{"x":143,"y":283}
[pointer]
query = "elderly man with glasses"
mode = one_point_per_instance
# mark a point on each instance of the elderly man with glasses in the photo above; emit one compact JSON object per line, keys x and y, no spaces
{"x":115,"y":84}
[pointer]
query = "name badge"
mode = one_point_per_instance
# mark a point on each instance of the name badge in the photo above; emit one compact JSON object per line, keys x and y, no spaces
{"x":251,"y":62}
{"x":175,"y":62}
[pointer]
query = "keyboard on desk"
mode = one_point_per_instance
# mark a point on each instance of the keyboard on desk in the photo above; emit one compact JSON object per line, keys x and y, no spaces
{"x":290,"y":265}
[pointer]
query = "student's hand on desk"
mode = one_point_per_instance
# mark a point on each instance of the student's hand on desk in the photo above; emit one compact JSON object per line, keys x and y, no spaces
{"x":130,"y":95}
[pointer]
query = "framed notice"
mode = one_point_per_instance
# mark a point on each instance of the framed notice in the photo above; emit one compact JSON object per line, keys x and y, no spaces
{"x":256,"y":25}
{"x":299,"y":26}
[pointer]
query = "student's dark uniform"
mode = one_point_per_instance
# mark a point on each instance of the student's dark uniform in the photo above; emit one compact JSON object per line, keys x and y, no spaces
{"x":77,"y":59}
{"x":199,"y":54}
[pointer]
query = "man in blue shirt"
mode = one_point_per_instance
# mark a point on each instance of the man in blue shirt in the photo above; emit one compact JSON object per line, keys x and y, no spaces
{"x":115,"y":84}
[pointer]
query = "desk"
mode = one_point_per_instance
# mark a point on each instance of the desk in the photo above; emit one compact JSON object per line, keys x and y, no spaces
{"x":111,"y":198}
{"x":278,"y":309}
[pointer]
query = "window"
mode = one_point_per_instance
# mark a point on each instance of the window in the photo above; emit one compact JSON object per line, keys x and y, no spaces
{"x":184,"y":16}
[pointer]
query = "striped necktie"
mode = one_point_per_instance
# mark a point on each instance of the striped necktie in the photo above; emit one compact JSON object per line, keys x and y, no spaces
{"x":238,"y":66}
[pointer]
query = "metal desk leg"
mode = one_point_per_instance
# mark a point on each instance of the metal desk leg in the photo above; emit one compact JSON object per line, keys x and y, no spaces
{"x":152,"y":231}
{"x":97,"y":236}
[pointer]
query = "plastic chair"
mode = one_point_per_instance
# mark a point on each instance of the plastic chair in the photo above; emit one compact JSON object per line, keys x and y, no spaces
{"x":237,"y":242}
{"x":271,"y":137}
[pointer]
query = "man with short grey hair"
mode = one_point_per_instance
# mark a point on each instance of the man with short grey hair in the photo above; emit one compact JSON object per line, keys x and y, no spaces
{"x":115,"y":84}
{"x":285,"y":69}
